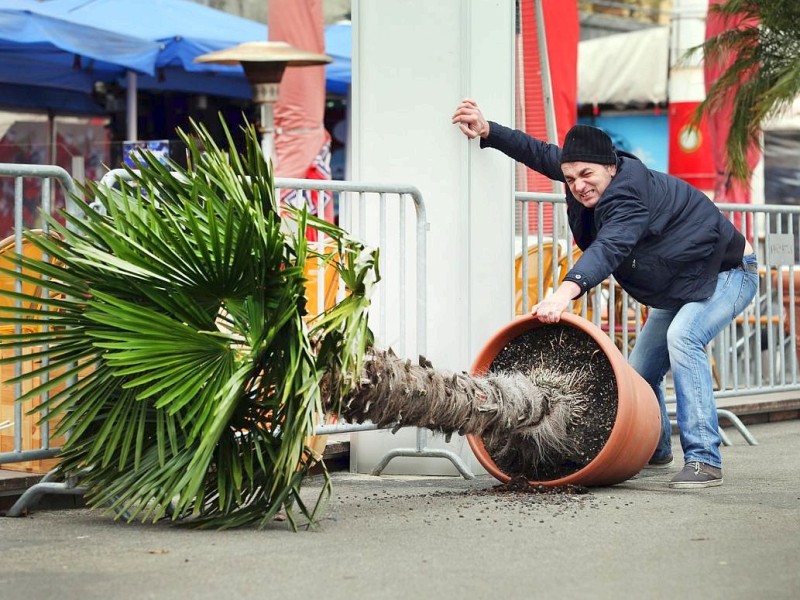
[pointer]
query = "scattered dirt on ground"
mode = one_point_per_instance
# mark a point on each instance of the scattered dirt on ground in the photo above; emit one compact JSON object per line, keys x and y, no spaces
{"x":516,"y":505}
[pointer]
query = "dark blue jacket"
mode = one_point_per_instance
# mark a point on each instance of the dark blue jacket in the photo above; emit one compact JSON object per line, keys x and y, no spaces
{"x":664,"y":241}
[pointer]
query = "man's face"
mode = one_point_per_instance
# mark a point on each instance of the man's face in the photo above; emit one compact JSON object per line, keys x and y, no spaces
{"x":588,"y":181}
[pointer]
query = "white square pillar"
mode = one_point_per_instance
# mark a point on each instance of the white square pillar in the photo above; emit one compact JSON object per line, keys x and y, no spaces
{"x":413,"y":61}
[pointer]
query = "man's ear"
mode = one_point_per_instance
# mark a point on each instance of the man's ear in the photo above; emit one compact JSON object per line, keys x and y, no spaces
{"x":612,"y":169}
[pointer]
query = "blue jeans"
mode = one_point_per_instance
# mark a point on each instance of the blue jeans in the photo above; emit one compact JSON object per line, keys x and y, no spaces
{"x":677,"y":339}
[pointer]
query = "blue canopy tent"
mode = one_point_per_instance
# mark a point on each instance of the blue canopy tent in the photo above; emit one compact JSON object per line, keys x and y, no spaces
{"x":47,"y":62}
{"x":53,"y":52}
{"x":184,"y":30}
{"x":181,"y":29}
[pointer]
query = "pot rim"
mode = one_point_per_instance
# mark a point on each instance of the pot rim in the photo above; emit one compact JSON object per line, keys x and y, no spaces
{"x":622,"y":373}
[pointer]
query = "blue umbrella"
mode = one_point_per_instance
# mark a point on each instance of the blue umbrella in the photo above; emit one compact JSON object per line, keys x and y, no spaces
{"x":40,"y":51}
{"x":185,"y":30}
{"x":68,"y":45}
{"x":181,"y":29}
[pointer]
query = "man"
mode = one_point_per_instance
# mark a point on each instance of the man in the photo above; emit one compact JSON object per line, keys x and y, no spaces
{"x":668,"y":246}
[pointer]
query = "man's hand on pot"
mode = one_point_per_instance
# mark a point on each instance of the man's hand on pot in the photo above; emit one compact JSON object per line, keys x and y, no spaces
{"x":549,"y":310}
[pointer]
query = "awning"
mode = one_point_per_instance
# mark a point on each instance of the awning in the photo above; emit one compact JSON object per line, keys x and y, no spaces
{"x":625,"y":68}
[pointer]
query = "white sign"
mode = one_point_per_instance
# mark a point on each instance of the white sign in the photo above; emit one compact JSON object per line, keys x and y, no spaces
{"x":780,"y":249}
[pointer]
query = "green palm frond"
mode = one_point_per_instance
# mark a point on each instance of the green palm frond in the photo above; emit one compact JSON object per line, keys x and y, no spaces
{"x":179,"y":307}
{"x":764,"y":76}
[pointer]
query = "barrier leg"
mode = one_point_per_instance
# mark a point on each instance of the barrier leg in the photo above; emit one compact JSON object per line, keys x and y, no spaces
{"x":32,"y":495}
{"x":737,"y":423}
{"x":422,"y":451}
{"x":726,"y":441}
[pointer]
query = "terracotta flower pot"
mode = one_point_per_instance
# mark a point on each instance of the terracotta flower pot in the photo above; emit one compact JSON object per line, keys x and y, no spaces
{"x":636,"y":428}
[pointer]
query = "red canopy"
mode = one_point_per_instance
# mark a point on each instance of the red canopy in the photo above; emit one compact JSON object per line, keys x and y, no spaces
{"x":302,"y":145}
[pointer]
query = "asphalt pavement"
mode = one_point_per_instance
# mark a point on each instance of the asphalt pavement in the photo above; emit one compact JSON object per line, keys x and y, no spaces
{"x":447,"y":537}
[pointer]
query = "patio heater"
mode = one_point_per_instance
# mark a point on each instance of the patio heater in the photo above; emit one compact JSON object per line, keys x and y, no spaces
{"x":264,"y":64}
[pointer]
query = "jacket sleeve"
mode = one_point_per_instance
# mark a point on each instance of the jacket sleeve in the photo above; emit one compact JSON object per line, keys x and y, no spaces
{"x":625,"y":221}
{"x":535,"y":154}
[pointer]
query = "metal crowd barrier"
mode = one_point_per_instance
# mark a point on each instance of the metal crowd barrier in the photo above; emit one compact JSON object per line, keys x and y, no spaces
{"x":756,"y":354}
{"x":378,"y":214}
{"x":25,"y":448}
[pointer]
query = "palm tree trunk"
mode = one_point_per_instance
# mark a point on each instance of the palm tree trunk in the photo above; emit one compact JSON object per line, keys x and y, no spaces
{"x":530,"y":414}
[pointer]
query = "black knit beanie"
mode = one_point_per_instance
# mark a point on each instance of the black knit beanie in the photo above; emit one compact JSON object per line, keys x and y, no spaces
{"x":585,"y":143}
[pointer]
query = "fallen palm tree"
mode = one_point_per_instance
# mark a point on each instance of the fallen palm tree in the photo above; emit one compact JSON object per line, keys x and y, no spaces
{"x":177,"y":314}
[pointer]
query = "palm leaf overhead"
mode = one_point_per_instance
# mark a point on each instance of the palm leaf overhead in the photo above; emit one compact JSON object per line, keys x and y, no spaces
{"x":763,"y":40}
{"x":178,"y":308}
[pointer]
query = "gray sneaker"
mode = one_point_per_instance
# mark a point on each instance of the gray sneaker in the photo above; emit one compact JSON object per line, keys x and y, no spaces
{"x":660,"y":463}
{"x":696,"y":475}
